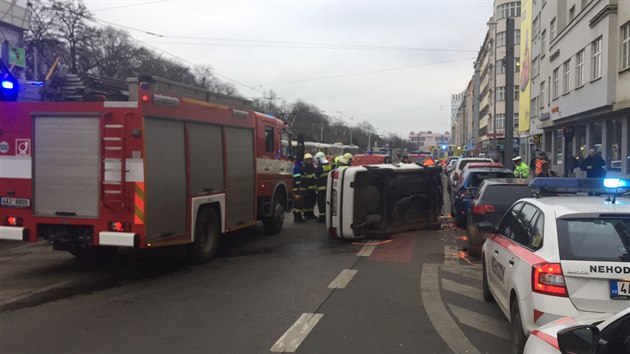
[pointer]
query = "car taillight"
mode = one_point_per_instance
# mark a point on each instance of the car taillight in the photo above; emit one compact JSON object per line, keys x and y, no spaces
{"x":119,"y":226}
{"x":547,"y":278}
{"x":483,"y":208}
{"x":13,"y":221}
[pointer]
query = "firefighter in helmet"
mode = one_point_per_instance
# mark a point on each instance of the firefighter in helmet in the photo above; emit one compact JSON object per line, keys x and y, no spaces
{"x":309,"y":183}
{"x":321,"y":171}
{"x":345,"y":160}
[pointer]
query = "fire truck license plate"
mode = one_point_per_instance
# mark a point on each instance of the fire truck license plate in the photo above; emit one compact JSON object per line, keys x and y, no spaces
{"x":619,"y":290}
{"x":15,"y":202}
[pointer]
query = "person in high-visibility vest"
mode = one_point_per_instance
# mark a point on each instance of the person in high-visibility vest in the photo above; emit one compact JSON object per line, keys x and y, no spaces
{"x":322,"y":171}
{"x":309,"y":181}
{"x":428,"y":162}
{"x":521,"y":170}
{"x":298,"y":193}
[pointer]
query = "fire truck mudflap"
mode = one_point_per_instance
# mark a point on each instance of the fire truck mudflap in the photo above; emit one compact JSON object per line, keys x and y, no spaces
{"x":375,"y":201}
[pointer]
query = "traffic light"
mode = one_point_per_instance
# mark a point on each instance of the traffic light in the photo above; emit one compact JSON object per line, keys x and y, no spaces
{"x":8,"y":84}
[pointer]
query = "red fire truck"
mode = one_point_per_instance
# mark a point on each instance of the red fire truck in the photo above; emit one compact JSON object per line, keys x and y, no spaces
{"x":172,"y":165}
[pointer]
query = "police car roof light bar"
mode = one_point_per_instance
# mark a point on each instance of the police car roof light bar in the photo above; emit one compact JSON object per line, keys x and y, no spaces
{"x":579,"y":185}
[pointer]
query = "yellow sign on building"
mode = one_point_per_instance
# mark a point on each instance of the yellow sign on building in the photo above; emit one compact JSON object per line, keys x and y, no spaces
{"x":525,"y":66}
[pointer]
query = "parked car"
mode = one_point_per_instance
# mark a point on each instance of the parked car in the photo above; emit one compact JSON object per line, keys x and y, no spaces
{"x":493,"y":198}
{"x":451,"y":164}
{"x":461,"y":163}
{"x":466,"y":188}
{"x":555,"y":256}
{"x":593,"y":333}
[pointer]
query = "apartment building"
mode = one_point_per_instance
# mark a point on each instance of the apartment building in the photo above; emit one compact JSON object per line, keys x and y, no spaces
{"x":580,"y":80}
{"x":493,"y":91}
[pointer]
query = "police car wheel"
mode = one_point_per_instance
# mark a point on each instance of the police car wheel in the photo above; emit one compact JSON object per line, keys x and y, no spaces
{"x":207,"y":234}
{"x":518,"y":336}
{"x":487,"y":294}
{"x":273,"y":224}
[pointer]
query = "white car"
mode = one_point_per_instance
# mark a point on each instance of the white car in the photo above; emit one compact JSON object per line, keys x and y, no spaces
{"x":459,"y":166}
{"x":598,"y":333}
{"x":373,"y":201}
{"x":557,"y":256}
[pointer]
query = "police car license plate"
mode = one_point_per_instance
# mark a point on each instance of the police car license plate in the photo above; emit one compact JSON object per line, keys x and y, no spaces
{"x":620,"y":290}
{"x":15,"y":202}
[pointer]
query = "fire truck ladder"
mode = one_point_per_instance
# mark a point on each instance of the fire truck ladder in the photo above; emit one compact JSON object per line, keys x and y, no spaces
{"x":113,"y":150}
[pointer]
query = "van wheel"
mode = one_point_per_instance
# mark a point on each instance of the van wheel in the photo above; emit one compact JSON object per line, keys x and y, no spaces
{"x":518,"y":335}
{"x":487,"y":294}
{"x":207,"y":234}
{"x":273,"y":224}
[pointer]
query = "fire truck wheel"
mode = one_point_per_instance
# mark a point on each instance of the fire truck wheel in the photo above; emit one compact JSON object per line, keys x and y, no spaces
{"x":207,"y":235}
{"x":273,"y":223}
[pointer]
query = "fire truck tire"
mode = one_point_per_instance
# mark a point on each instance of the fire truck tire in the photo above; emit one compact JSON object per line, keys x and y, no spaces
{"x":273,"y":224}
{"x":207,"y":235}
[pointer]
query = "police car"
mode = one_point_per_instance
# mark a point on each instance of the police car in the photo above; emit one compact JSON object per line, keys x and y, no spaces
{"x":596,"y":333}
{"x":558,"y":255}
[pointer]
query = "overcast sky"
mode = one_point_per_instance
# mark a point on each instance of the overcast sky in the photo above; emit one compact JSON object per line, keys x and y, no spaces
{"x":391,"y":63}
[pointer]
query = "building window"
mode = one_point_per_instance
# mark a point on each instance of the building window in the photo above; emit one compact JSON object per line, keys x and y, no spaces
{"x":500,"y":67}
{"x":533,"y":108}
{"x":500,"y":121}
{"x":535,"y":26}
{"x":500,"y":93}
{"x":552,"y":29}
{"x":535,"y":67}
{"x":579,"y":69}
{"x":543,"y":42}
{"x":596,"y":64}
{"x":571,"y":13}
{"x":556,"y":81}
{"x":566,"y":76}
{"x":625,"y":46}
{"x":542,"y":95}
{"x":500,"y":39}
{"x":511,"y":9}
{"x":517,"y":90}
{"x":517,"y":37}
{"x":517,"y":65}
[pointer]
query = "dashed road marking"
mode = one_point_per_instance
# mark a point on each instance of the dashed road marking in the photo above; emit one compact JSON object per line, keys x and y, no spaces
{"x":462,"y":289}
{"x":294,"y":336}
{"x":366,"y":250}
{"x":441,"y":320}
{"x":481,"y":322}
{"x":342,"y":280}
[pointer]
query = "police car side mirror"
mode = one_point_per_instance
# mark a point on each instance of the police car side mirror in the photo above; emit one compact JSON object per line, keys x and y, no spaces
{"x":486,"y":227}
{"x":578,"y":339}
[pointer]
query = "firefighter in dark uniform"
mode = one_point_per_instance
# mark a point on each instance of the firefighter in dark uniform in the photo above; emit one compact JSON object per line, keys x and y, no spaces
{"x":298,"y":192}
{"x":309,"y":184}
{"x":322,"y":171}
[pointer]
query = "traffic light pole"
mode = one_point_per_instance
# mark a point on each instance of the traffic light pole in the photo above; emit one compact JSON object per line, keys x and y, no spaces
{"x":509,"y":94}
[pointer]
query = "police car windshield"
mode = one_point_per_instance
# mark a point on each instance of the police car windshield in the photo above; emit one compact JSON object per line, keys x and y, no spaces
{"x":594,"y":239}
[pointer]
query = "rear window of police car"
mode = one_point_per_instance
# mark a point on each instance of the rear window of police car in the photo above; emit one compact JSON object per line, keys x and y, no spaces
{"x":595,"y":239}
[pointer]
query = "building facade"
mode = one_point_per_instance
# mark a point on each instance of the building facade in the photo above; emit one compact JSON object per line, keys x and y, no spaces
{"x":424,"y":140}
{"x":13,"y":23}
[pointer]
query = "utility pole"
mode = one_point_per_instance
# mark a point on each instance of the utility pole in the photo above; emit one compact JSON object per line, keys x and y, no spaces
{"x":509,"y":93}
{"x":475,"y":105}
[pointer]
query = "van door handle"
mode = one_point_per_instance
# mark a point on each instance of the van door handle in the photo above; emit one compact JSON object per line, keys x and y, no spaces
{"x":511,"y":261}
{"x":266,"y":168}
{"x":496,"y":251}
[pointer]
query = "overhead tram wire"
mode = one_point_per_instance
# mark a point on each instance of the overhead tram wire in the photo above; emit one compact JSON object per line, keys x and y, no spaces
{"x":130,"y":5}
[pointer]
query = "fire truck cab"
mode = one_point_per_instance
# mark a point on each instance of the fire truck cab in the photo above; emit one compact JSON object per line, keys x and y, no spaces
{"x":172,"y":165}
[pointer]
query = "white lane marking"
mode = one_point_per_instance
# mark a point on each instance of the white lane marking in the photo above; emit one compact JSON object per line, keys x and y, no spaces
{"x":366,"y":250}
{"x":462,"y":289}
{"x":467,"y":272}
{"x":33,"y":292}
{"x":481,"y":322}
{"x":443,"y":323}
{"x":294,"y":336}
{"x":342,"y":280}
{"x":451,"y":255}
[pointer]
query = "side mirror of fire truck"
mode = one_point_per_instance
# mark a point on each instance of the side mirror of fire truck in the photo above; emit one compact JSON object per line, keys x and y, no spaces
{"x":299,"y":150}
{"x":8,"y":84}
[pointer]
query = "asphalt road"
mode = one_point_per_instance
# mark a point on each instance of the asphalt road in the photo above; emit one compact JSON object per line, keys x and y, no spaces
{"x":299,"y":291}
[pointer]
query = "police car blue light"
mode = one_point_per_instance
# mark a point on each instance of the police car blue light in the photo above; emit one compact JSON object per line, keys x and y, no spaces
{"x":615,"y":183}
{"x":8,"y":85}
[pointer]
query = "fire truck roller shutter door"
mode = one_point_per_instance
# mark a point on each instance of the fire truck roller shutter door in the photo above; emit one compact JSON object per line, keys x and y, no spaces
{"x":241,"y":177}
{"x":206,"y":157}
{"x":66,"y":165}
{"x":165,"y":181}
